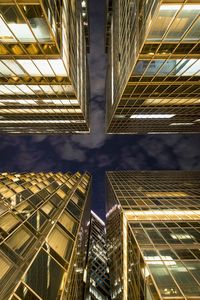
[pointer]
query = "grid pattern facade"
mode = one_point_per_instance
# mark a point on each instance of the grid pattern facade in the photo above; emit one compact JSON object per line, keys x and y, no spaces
{"x":154,"y":67}
{"x":42,"y":216}
{"x":98,"y":283}
{"x":43,"y":66}
{"x":153,"y":221}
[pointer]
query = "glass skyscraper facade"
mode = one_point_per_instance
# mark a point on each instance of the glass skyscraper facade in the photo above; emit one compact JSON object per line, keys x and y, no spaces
{"x":43,"y":67}
{"x":97,"y":283}
{"x":42,"y":221}
{"x":154,"y":66}
{"x":153,"y":227}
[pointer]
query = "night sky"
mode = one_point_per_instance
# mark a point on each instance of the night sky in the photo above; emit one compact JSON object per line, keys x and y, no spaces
{"x":98,"y":152}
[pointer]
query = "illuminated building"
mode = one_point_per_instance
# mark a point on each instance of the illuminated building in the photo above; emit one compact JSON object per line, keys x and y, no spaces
{"x":42,"y":217}
{"x":43,"y":66}
{"x":97,"y":283}
{"x":153,"y":227}
{"x":154,"y":66}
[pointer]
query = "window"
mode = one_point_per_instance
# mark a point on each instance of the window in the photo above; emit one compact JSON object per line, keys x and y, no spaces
{"x":60,"y":243}
{"x":194,"y":268}
{"x":56,"y":200}
{"x":180,"y":24}
{"x":5,"y":266}
{"x":19,"y":240}
{"x":184,"y":279}
{"x":48,"y":208}
{"x":37,"y":220}
{"x":8,"y":222}
{"x":69,"y":223}
{"x":74,"y":210}
{"x":35,"y":200}
{"x":24,"y":208}
{"x":61,"y":193}
{"x":25,"y":293}
{"x":163,"y":279}
{"x":44,"y":281}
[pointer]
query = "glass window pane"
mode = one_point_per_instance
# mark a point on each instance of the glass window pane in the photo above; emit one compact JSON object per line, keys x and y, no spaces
{"x":24,"y":208}
{"x":5,"y":33}
{"x":167,"y":254}
{"x":19,"y":240}
{"x":74,"y":210}
{"x":58,"y":67}
{"x":29,"y":67}
{"x":60,"y":243}
{"x":193,"y":34}
{"x":155,"y":236}
{"x":184,"y":254}
{"x":35,"y":200}
{"x":45,"y":281}
{"x":8,"y":222}
{"x":44,"y":67}
{"x":160,"y":25}
{"x":185,"y":281}
{"x":25,"y":293}
{"x":5,"y":71}
{"x":182,"y":22}
{"x":56,"y":200}
{"x":48,"y":208}
{"x":141,"y":237}
{"x":194,"y":268}
{"x":37,"y":220}
{"x":163,"y":280}
{"x":5,"y":266}
{"x":12,"y":65}
{"x":69,"y":223}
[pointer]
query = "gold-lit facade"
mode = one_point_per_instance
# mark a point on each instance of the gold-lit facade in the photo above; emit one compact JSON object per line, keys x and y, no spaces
{"x":43,"y":66}
{"x":154,"y":66}
{"x":153,"y":227}
{"x":42,"y":219}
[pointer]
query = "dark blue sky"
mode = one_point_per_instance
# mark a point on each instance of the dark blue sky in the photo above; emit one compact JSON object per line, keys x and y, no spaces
{"x":98,"y":152}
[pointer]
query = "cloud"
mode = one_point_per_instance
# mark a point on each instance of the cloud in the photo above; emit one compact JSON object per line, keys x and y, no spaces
{"x":69,"y":151}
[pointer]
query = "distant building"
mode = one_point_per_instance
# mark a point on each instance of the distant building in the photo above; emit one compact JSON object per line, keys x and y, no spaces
{"x":153,"y":66}
{"x":97,"y":283}
{"x":153,"y":227}
{"x":42,"y":220}
{"x":43,"y":67}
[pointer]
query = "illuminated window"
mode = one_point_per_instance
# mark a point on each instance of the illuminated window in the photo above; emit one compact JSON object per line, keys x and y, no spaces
{"x":186,"y":15}
{"x":19,"y":240}
{"x":163,"y":279}
{"x":48,"y":208}
{"x":69,"y":223}
{"x":166,"y":194}
{"x":152,"y":116}
{"x":60,"y":243}
{"x":29,"y":67}
{"x":8,"y":222}
{"x":173,"y":101}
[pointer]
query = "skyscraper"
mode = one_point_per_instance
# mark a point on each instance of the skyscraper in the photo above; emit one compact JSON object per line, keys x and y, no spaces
{"x":97,"y":282}
{"x":153,"y":226}
{"x":43,"y":67}
{"x":42,"y":219}
{"x":154,"y":66}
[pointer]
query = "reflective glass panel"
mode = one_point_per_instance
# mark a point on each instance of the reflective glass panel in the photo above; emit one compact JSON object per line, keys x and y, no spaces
{"x":69,"y":223}
{"x":163,"y":280}
{"x":44,"y":281}
{"x":5,"y":266}
{"x":60,"y":243}
{"x":184,"y":279}
{"x":19,"y":240}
